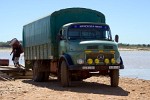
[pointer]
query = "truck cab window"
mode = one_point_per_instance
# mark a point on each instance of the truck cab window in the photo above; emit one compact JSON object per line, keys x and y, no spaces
{"x":73,"y":34}
{"x":89,"y":34}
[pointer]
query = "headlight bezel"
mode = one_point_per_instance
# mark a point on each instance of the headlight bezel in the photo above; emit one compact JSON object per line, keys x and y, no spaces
{"x":80,"y":61}
{"x":118,"y":61}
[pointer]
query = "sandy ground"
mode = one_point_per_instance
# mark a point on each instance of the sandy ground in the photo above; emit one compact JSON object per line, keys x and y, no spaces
{"x":94,"y":88}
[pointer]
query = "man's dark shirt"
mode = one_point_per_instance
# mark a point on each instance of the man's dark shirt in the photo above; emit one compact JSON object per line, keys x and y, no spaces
{"x":17,"y":51}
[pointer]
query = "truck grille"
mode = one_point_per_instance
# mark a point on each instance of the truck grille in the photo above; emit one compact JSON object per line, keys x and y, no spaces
{"x":108,"y":47}
{"x":92,"y":47}
{"x":100,"y":56}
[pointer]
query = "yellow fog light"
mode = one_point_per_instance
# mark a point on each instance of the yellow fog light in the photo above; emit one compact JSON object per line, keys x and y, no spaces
{"x":90,"y":61}
{"x":106,"y":61}
{"x":96,"y":61}
{"x":113,"y":61}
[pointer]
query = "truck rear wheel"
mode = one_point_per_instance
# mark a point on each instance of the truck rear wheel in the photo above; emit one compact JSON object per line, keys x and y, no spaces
{"x":114,"y":77}
{"x":65,"y":78}
{"x":46,"y":76}
{"x":37,"y":75}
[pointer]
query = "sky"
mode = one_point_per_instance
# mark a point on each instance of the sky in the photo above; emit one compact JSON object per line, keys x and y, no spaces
{"x":130,"y":19}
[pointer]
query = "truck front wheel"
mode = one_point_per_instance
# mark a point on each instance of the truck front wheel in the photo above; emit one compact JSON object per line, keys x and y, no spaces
{"x":37,"y":75}
{"x":114,"y":77}
{"x":65,"y":76}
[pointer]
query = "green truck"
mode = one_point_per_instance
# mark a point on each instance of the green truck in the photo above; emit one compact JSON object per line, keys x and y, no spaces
{"x":73,"y":44}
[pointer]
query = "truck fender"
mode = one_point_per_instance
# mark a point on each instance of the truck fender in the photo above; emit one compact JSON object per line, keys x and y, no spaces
{"x":67,"y":58}
{"x":121,"y":63}
{"x":64,"y":57}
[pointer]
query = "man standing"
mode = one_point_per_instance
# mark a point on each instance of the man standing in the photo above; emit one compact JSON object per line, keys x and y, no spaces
{"x":16,"y":50}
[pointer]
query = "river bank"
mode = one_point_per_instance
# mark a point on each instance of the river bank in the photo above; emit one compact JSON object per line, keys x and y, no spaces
{"x":94,"y":88}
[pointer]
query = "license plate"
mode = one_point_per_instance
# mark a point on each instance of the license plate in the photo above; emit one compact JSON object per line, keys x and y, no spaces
{"x":88,"y":67}
{"x":114,"y":67}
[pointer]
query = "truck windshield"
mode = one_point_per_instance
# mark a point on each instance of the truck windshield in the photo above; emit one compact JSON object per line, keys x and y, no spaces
{"x":89,"y":34}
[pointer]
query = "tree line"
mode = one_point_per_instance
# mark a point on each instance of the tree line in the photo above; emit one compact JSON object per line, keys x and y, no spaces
{"x":6,"y":44}
{"x":133,"y":45}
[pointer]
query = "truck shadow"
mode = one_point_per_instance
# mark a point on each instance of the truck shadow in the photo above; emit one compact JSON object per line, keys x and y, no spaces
{"x":81,"y":87}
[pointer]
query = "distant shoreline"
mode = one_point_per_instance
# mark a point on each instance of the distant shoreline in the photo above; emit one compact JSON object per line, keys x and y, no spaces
{"x":2,"y":49}
{"x":133,"y":49}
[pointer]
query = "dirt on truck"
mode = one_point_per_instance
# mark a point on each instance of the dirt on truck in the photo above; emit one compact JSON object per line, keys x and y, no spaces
{"x":72,"y":44}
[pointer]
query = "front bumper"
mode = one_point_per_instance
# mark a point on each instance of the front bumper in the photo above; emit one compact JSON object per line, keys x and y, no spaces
{"x":95,"y":68}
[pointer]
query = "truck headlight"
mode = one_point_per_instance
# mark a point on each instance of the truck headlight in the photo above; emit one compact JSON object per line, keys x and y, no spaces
{"x":113,"y":61}
{"x":90,"y":61}
{"x":106,"y":61}
{"x":80,"y":61}
{"x":96,"y":61}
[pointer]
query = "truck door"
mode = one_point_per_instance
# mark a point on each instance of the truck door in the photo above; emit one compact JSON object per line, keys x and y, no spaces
{"x":62,"y":42}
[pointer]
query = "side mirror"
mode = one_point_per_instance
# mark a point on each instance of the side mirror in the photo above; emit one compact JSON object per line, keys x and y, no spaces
{"x":117,"y":38}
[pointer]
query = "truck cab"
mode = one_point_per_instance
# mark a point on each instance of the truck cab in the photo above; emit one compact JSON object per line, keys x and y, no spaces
{"x":87,"y":49}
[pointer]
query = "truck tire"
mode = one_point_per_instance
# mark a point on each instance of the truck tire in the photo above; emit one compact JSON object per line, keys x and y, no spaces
{"x":37,"y":75}
{"x":65,"y":78}
{"x":46,"y":76}
{"x":114,"y":77}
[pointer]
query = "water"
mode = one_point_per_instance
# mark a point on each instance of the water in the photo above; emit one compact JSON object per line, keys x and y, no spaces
{"x":136,"y":73}
{"x":137,"y":63}
{"x":6,"y":55}
{"x":136,"y":59}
